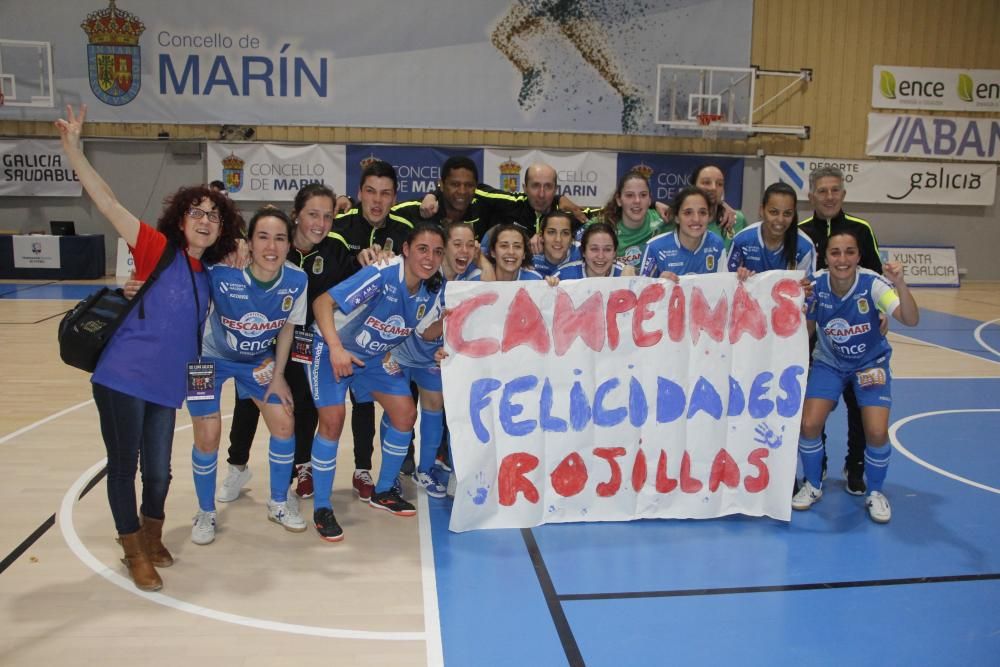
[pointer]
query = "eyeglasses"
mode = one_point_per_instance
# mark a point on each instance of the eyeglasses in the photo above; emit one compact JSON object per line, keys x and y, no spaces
{"x":197,"y":214}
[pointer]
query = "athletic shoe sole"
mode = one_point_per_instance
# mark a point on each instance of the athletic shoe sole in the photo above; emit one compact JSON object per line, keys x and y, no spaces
{"x":290,"y":529}
{"x":392,"y":511}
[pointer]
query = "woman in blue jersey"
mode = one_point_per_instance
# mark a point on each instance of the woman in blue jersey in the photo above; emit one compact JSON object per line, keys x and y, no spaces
{"x":558,"y":248}
{"x":691,"y":248}
{"x":774,"y":243}
{"x":635,"y":222}
{"x":416,"y":356}
{"x":844,"y":312}
{"x":358,"y":322}
{"x":140,"y":378}
{"x":249,"y":338}
{"x":600,"y":247}
{"x":509,"y":252}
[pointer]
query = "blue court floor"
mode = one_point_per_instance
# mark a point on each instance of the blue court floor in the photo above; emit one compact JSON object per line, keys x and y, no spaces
{"x":830,"y":587}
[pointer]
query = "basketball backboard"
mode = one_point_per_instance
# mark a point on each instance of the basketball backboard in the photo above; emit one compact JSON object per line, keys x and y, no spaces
{"x":26,"y":73}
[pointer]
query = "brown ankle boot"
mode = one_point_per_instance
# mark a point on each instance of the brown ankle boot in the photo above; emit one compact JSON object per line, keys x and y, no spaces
{"x":140,"y":568}
{"x":152,"y":539}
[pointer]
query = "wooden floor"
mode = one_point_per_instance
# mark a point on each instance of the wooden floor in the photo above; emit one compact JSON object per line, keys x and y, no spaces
{"x":258,"y":595}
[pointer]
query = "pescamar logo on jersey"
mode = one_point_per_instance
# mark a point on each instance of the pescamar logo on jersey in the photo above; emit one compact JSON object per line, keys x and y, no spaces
{"x":286,"y":303}
{"x":840,"y":330}
{"x":863,"y":306}
{"x":631,"y":256}
{"x":394,"y":327}
{"x":317,"y":266}
{"x":113,"y":55}
{"x":252,"y":325}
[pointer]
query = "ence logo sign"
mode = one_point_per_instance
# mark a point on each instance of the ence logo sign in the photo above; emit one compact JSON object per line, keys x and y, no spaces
{"x":935,"y":88}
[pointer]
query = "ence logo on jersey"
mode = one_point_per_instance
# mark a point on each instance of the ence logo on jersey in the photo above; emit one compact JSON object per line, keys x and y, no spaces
{"x":253,"y":324}
{"x":840,"y":331}
{"x":395,"y":327}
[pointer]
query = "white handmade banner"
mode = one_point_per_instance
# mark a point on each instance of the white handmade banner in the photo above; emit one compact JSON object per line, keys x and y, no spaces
{"x":892,"y":182}
{"x":586,"y":177}
{"x":945,"y":137}
{"x":36,"y":251}
{"x":935,"y":88}
{"x":925,"y":266}
{"x":275,"y":172}
{"x":35,"y":168}
{"x":613,"y":399}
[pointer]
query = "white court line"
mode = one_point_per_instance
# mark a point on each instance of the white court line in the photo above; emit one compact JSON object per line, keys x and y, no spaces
{"x":944,"y":347}
{"x":933,"y":468}
{"x":87,"y":558}
{"x":29,"y":427}
{"x":977,"y":334}
{"x":432,"y":622}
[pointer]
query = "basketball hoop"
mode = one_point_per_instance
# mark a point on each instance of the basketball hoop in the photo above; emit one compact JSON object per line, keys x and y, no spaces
{"x":706,"y":120}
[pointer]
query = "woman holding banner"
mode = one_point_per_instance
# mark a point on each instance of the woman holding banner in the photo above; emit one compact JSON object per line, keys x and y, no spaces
{"x":775,"y":242}
{"x":691,"y":248}
{"x":509,"y":252}
{"x":558,"y":248}
{"x":851,"y":350}
{"x":600,"y":246}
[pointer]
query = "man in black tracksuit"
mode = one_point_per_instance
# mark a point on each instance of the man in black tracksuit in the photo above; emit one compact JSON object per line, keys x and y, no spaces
{"x":826,"y":193}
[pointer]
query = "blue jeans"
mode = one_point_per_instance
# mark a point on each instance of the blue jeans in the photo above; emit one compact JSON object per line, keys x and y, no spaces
{"x":137,"y":435}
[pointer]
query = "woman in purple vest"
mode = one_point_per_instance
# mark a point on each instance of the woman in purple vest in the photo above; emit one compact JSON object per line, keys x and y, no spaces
{"x":140,"y":379}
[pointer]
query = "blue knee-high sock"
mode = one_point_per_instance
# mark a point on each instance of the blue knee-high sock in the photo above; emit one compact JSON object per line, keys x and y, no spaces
{"x":281,"y":456}
{"x":431,"y":429}
{"x":204,"y":466}
{"x":876,"y":465}
{"x":324,"y":465}
{"x":394,"y":446}
{"x":811,"y":452}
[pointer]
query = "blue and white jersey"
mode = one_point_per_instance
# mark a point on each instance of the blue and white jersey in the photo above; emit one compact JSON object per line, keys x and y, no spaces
{"x":246,"y":319}
{"x":376,"y":310}
{"x":748,"y":249}
{"x":547,"y":268}
{"x":665,"y":253}
{"x":847,"y":328}
{"x":415,"y":351}
{"x":577,"y":270}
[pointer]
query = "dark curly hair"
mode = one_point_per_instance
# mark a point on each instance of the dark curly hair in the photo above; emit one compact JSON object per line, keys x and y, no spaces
{"x":231,"y":227}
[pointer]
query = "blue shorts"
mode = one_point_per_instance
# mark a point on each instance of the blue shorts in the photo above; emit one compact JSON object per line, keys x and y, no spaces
{"x":378,"y":374}
{"x":872,"y":384}
{"x":252,"y":381}
{"x":428,"y":379}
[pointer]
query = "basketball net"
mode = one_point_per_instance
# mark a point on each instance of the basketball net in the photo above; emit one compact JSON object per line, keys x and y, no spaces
{"x":709,"y":130}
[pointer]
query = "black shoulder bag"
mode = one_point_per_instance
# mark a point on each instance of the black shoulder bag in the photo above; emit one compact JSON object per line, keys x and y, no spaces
{"x":88,"y":327}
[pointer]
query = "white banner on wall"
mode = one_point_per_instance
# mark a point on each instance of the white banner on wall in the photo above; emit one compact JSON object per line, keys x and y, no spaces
{"x":621,"y":398}
{"x":588,"y":178}
{"x":36,"y":251}
{"x":935,"y":88}
{"x":36,"y":168}
{"x":943,"y":137}
{"x":275,"y":172}
{"x":925,"y":266}
{"x":892,"y":182}
{"x":491,"y":64}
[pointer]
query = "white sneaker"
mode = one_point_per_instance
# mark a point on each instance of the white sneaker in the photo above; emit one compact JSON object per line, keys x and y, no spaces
{"x":430,"y":483}
{"x":203,"y":530}
{"x":233,"y":484}
{"x":806,"y":496}
{"x":287,"y":515}
{"x":878,"y":507}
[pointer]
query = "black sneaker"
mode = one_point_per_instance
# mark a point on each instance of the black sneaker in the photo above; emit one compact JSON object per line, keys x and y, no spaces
{"x":855,"y":481}
{"x":327,"y":526}
{"x":392,"y":502}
